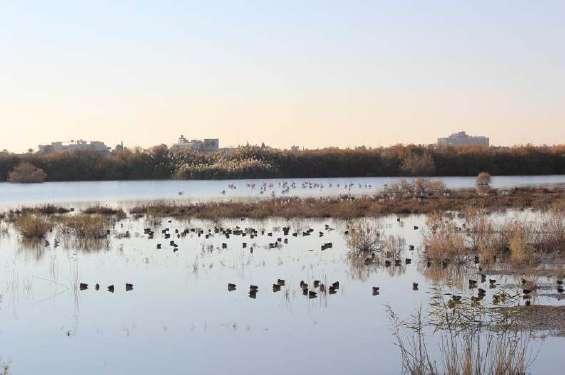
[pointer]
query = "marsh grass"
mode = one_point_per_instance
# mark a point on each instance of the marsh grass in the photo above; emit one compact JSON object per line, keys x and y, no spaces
{"x":364,"y":236}
{"x":105,"y":211}
{"x":406,"y":198}
{"x":32,"y":227}
{"x":85,"y":226}
{"x":442,"y":239}
{"x":465,"y":345}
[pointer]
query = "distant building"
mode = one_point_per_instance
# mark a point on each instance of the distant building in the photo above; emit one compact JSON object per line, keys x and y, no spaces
{"x":204,"y":145}
{"x":78,"y":145}
{"x":462,"y":139}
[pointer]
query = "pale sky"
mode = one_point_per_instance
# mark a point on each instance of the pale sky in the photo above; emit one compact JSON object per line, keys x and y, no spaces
{"x":305,"y":72}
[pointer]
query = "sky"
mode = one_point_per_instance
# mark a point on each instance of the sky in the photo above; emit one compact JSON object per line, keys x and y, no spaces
{"x":308,"y":73}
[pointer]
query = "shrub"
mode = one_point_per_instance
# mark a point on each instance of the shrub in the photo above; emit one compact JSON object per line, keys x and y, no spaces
{"x":483,"y":182}
{"x":27,"y":173}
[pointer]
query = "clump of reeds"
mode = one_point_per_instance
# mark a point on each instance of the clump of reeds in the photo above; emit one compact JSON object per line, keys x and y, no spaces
{"x":32,"y":226}
{"x":364,"y":236}
{"x":417,"y":188}
{"x":552,"y":232}
{"x":485,"y":237}
{"x":392,"y":246}
{"x":469,"y":344}
{"x":443,"y":239}
{"x":520,"y":243}
{"x":104,"y":210}
{"x":85,"y":226}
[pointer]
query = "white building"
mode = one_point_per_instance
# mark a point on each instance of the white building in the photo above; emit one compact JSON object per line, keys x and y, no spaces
{"x":461,"y":139}
{"x":205,"y":145}
{"x":78,"y":145}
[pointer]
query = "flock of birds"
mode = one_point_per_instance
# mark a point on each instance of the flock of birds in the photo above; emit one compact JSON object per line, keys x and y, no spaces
{"x":309,"y":291}
{"x":317,"y":287}
{"x":285,"y":187}
{"x":110,"y":288}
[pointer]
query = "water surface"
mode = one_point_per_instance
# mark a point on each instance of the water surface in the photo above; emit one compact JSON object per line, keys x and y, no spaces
{"x":122,"y":191}
{"x":180,"y":317}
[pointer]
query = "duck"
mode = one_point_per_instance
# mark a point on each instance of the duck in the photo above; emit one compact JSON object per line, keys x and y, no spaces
{"x":97,"y":286}
{"x":253,"y":288}
{"x":276,"y":287}
{"x":376,"y":290}
{"x":281,"y":282}
{"x":83,"y":286}
{"x":231,"y":287}
{"x":335,"y":285}
{"x":312,"y":294}
{"x":414,"y":286}
{"x":111,"y":288}
{"x":129,"y":286}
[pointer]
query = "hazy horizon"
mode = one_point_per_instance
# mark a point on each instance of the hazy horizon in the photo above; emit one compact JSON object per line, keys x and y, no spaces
{"x":316,"y":74}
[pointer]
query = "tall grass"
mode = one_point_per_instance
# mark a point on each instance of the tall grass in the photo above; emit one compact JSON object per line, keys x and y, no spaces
{"x":469,"y":349}
{"x":33,"y":226}
{"x":442,"y":239}
{"x":84,"y":226}
{"x":364,"y":236}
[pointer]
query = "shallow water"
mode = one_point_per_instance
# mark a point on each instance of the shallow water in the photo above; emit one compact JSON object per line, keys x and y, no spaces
{"x":121,"y":191}
{"x":180,"y":318}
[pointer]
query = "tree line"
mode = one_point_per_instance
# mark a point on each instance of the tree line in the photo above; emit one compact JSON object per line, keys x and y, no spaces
{"x":160,"y":162}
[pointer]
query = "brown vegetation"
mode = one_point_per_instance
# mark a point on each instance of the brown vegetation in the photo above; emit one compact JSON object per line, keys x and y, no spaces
{"x":106,"y":211}
{"x":345,"y":207}
{"x":32,"y":226}
{"x":84,"y":226}
{"x":364,"y":236}
{"x":258,"y":162}
{"x":26,"y":173}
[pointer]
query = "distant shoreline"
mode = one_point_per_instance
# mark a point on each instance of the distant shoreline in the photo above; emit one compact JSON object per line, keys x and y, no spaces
{"x":252,"y":162}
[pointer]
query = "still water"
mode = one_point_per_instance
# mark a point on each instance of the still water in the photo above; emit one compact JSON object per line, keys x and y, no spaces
{"x":121,"y":191}
{"x":180,"y":318}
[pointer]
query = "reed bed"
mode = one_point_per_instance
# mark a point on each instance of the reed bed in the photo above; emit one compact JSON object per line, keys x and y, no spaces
{"x":409,"y":199}
{"x":464,"y":346}
{"x":104,"y":210}
{"x":523,"y":242}
{"x":33,"y":227}
{"x":85,"y":226}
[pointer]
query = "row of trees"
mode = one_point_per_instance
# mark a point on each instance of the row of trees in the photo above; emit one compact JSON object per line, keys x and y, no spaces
{"x":255,"y":162}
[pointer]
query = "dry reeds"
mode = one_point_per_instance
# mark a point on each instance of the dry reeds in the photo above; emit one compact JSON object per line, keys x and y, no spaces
{"x":405,"y":198}
{"x":443,"y":239}
{"x":469,"y":349}
{"x":84,"y":226}
{"x":32,"y":226}
{"x":364,"y":236}
{"x":106,"y":211}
